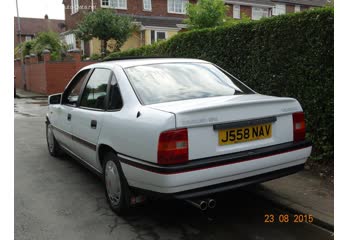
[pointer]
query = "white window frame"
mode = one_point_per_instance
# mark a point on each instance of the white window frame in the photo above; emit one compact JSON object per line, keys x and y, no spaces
{"x":70,"y":41}
{"x":28,"y":38}
{"x":147,"y":5}
{"x":155,"y":35}
{"x":297,"y":8}
{"x":172,"y":6}
{"x":259,"y":12}
{"x":74,"y":6}
{"x":118,"y":4}
{"x":279,"y":9}
{"x":237,"y":11}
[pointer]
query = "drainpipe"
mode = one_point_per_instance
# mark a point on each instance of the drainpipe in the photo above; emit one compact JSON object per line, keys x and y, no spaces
{"x":20,"y":42}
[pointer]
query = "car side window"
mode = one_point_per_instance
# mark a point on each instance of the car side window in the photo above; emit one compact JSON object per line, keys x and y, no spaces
{"x":71,"y":95}
{"x":115,"y":101}
{"x":95,"y":92}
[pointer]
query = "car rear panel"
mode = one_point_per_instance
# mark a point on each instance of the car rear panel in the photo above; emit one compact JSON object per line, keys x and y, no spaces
{"x":204,"y":118}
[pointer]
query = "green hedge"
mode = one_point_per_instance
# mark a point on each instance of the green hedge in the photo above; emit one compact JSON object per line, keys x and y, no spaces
{"x":289,"y":55}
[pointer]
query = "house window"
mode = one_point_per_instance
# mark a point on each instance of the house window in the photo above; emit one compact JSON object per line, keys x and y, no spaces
{"x":177,"y":6}
{"x":74,"y":6}
{"x":237,"y":11}
{"x":157,"y":36}
{"x":258,"y":13}
{"x":279,"y":9}
{"x":70,"y":40}
{"x":120,"y":4}
{"x":147,"y":5}
{"x":297,"y":8}
{"x":28,"y":38}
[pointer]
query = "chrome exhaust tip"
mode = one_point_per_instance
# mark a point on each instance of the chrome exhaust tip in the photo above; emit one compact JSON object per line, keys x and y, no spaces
{"x":200,"y":204}
{"x":211,"y":203}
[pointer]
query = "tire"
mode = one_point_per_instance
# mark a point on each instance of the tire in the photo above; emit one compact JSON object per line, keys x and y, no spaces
{"x":52,"y":144}
{"x":116,"y":187}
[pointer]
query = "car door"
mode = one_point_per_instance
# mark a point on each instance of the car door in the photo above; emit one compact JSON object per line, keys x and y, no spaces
{"x":89,"y":115}
{"x":62,"y":115}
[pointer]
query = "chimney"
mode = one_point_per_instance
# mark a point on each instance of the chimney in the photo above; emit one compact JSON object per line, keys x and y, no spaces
{"x":46,"y":16}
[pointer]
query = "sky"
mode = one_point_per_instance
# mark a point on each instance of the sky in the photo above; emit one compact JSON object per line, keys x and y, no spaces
{"x":38,"y":8}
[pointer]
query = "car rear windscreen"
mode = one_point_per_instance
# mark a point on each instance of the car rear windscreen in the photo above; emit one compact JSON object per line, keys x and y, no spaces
{"x":166,"y":82}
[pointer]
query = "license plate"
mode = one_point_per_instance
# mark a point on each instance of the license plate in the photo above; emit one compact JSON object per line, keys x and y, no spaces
{"x":245,"y":134}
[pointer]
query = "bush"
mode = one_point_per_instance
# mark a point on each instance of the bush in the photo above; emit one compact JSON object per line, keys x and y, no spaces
{"x":289,"y":55}
{"x":206,"y":13}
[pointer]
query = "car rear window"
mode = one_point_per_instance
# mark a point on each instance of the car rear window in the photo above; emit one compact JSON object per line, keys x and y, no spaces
{"x":166,"y":82}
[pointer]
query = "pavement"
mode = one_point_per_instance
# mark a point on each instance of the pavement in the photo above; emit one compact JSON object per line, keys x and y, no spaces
{"x":20,"y":93}
{"x":60,"y":199}
{"x":303,"y":193}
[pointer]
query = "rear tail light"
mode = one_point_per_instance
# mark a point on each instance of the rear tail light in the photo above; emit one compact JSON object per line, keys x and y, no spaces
{"x":298,"y":126}
{"x":173,"y":147}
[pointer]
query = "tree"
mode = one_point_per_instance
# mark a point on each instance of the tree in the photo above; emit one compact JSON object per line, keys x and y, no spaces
{"x":105,"y":25}
{"x":44,"y":40}
{"x":206,"y":13}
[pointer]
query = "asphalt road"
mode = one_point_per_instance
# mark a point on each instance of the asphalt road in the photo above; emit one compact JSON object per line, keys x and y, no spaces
{"x":60,"y":199}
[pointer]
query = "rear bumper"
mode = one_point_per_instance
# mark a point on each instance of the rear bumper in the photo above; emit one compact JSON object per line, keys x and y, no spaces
{"x":220,"y":172}
{"x":221,"y":187}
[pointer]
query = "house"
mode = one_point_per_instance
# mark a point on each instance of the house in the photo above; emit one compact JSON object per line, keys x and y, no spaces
{"x":30,"y":27}
{"x":161,"y":19}
{"x":257,"y":9}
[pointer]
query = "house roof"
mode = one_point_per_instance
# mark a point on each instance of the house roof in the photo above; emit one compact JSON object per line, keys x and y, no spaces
{"x":155,"y":21}
{"x":32,"y":26}
{"x":316,"y":3}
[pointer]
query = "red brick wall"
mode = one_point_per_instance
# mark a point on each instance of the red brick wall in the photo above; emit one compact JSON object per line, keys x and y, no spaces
{"x":18,"y":74}
{"x":290,"y":8}
{"x":60,"y":73}
{"x":246,"y":10}
{"x":48,"y":77}
{"x":230,"y":10}
{"x":73,"y":19}
{"x":36,"y":77}
{"x":159,"y":8}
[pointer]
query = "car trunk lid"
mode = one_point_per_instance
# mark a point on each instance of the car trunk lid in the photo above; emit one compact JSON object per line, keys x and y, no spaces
{"x":206,"y":117}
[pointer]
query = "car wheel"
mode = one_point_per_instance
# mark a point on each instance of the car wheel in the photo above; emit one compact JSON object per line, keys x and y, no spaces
{"x":116,"y":187}
{"x":52,"y":144}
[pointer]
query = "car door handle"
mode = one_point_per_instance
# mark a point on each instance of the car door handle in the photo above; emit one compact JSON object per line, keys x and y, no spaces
{"x":69,"y":116}
{"x":93,"y":124}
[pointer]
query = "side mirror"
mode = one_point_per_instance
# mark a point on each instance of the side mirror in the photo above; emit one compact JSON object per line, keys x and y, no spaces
{"x":55,"y":98}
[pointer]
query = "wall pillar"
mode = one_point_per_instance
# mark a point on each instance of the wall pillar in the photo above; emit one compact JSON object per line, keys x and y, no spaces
{"x":46,"y":55}
{"x":33,"y":58}
{"x":75,"y":54}
{"x":27,"y":59}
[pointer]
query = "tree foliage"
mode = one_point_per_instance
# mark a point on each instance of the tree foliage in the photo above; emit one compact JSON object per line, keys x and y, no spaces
{"x":105,"y":25}
{"x":44,"y":40}
{"x":206,"y":13}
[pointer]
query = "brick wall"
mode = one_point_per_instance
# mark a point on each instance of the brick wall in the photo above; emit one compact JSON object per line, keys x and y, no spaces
{"x":48,"y":77}
{"x":289,"y":8}
{"x":246,"y":10}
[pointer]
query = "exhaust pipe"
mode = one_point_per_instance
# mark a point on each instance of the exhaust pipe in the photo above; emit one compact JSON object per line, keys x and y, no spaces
{"x":202,"y":205}
{"x":211,"y":203}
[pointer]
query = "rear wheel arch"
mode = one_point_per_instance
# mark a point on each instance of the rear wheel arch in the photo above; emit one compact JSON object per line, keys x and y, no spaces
{"x":102,"y":150}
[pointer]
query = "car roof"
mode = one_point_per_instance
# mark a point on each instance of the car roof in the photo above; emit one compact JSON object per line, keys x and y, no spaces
{"x":132,"y":62}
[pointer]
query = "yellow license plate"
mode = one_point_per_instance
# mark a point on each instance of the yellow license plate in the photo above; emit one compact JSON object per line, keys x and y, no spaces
{"x":245,"y":134}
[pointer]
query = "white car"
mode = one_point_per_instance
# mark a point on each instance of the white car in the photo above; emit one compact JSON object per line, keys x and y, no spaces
{"x":169,"y":127}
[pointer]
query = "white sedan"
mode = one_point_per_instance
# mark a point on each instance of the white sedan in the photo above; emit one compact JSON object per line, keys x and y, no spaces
{"x":170,"y":127}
